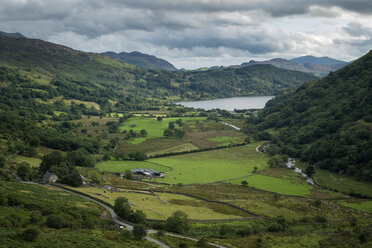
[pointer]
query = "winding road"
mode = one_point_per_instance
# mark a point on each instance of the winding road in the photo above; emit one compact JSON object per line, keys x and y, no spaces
{"x":118,"y":221}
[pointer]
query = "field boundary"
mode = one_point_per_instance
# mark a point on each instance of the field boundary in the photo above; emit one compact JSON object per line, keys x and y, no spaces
{"x":197,"y":150}
{"x":199,"y":198}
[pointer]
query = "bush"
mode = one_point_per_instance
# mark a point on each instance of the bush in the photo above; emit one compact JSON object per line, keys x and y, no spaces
{"x":178,"y":222}
{"x":55,"y":221}
{"x":30,"y":234}
{"x":139,"y":231}
{"x":24,"y":171}
{"x":201,"y":242}
{"x":73,"y":180}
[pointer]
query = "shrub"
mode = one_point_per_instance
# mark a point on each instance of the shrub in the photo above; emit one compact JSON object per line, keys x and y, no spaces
{"x":201,"y":242}
{"x":55,"y":221}
{"x":178,"y":222}
{"x":30,"y":234}
{"x":139,"y":231}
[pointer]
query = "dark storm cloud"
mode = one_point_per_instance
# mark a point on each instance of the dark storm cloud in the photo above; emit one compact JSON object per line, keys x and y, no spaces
{"x":274,"y":8}
{"x":356,"y":29}
{"x":196,"y":28}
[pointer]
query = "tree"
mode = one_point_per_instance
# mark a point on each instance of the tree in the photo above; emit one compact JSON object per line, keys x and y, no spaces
{"x":128,"y":175}
{"x":140,"y":156}
{"x":106,"y":157}
{"x":30,"y":234}
{"x":95,"y":177}
{"x":73,"y":179}
{"x":80,"y":158}
{"x":139,"y":231}
{"x":53,"y":158}
{"x":244,"y":183}
{"x":143,"y":132}
{"x":159,"y":118}
{"x":178,"y":222}
{"x":122,"y":208}
{"x":24,"y":171}
{"x":167,"y":133}
{"x":171,"y":125}
{"x":139,"y":217}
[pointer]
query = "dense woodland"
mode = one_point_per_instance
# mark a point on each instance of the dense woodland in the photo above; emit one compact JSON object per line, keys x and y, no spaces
{"x":327,"y":122}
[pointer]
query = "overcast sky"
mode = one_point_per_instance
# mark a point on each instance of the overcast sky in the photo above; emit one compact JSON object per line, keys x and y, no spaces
{"x":198,"y":33}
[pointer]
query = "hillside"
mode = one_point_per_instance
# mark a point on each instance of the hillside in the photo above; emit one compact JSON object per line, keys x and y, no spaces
{"x":318,"y":66}
{"x":142,"y":60}
{"x":98,"y":78}
{"x":328,"y":122}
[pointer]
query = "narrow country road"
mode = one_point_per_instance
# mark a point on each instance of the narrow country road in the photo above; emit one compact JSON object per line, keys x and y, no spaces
{"x":231,"y":125}
{"x":119,"y":222}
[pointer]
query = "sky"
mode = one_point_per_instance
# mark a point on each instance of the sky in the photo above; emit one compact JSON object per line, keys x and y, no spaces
{"x":192,"y":34}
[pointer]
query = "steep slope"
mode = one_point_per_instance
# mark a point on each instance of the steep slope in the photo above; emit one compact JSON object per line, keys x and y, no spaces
{"x":328,"y":122}
{"x":308,"y":59}
{"x":318,"y":69}
{"x":142,"y":60}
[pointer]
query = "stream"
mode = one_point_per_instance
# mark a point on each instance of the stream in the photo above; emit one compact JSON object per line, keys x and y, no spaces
{"x":291,"y":165}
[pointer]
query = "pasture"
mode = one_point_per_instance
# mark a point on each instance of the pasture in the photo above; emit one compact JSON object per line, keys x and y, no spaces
{"x":162,"y":205}
{"x":153,"y":127}
{"x":34,"y":162}
{"x":211,"y":166}
{"x":283,"y":186}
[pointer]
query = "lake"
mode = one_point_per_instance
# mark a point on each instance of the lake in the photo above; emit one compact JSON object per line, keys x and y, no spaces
{"x":245,"y":102}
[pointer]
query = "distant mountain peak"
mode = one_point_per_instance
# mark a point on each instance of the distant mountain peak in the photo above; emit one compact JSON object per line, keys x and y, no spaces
{"x":12,"y":35}
{"x":142,"y":60}
{"x":310,"y":59}
{"x":318,"y":66}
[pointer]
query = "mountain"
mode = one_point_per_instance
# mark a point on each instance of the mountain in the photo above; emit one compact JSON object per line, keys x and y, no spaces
{"x":99,"y":78}
{"x":317,"y":69}
{"x":13,"y":35}
{"x":308,"y":59}
{"x":327,"y":122}
{"x":42,"y":82}
{"x":142,"y":60}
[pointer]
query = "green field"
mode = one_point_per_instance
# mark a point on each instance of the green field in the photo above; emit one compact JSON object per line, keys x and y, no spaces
{"x":358,"y":205}
{"x":153,"y":127}
{"x":342,"y":183}
{"x":34,"y":162}
{"x":163,"y":205}
{"x":277,"y":185}
{"x":226,"y":140}
{"x":177,"y":148}
{"x":121,"y":166}
{"x":211,"y":166}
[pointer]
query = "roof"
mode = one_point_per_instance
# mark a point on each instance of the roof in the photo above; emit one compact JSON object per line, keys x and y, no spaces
{"x":145,"y":172}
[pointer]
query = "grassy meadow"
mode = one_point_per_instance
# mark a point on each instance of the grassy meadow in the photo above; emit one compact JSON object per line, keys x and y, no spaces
{"x":163,"y":205}
{"x":34,"y":162}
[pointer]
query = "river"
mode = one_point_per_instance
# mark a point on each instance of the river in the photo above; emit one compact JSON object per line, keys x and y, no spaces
{"x":246,"y":102}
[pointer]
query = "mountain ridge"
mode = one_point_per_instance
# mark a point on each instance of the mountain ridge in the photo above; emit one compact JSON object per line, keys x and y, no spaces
{"x":317,"y":69}
{"x":142,"y":60}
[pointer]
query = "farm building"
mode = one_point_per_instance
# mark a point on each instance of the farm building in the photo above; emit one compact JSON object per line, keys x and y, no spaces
{"x":149,"y":173}
{"x":49,"y":177}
